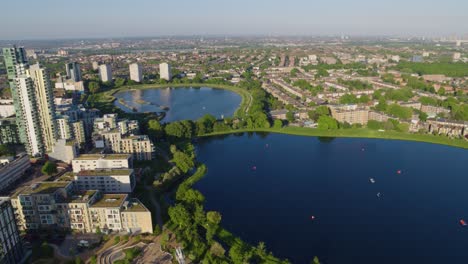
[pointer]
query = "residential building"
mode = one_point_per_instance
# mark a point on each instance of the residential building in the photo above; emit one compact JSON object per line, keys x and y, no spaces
{"x":7,"y":108}
{"x":136,"y":72}
{"x":102,"y":161}
{"x":165,"y":71}
{"x":11,"y":246}
{"x":351,"y":114}
{"x":33,"y":99}
{"x":106,"y":180}
{"x":45,"y":105}
{"x":105,"y":73}
{"x":380,"y":117}
{"x":38,"y":206}
{"x":12,"y":168}
{"x":447,"y":127}
{"x":65,"y":150}
{"x":139,"y":145}
{"x":116,"y":213}
{"x":57,"y":206}
{"x":73,"y":71}
{"x":95,"y":65}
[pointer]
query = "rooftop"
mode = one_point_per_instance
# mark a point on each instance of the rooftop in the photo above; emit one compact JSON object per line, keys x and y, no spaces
{"x":81,"y":197}
{"x":134,"y":205}
{"x":42,"y":188}
{"x":110,"y":200}
{"x":105,"y":172}
{"x":103,"y":156}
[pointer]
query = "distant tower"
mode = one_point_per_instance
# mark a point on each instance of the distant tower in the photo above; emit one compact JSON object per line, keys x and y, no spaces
{"x":95,"y":65}
{"x":165,"y":71}
{"x":105,"y":73}
{"x":73,"y":71}
{"x":136,"y":72}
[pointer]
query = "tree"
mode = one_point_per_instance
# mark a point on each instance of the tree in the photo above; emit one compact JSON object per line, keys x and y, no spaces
{"x":441,"y":91}
{"x":322,"y":110}
{"x":5,"y":150}
{"x":290,"y":116}
{"x":277,"y":124}
{"x":316,"y":260}
{"x":183,"y":161}
{"x":119,"y":82}
{"x":179,"y":129}
{"x":217,"y":250}
{"x":180,"y":216}
{"x":213,"y":217}
{"x":49,"y":168}
{"x":156,"y":230}
{"x":327,"y":122}
{"x":94,"y":87}
{"x":155,"y":130}
{"x":294,"y":72}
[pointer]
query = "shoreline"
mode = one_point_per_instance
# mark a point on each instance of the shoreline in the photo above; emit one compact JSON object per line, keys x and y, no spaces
{"x":246,"y":100}
{"x":354,"y":133}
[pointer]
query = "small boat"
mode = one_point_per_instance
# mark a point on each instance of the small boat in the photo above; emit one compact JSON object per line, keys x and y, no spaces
{"x":254,"y":168}
{"x":312,"y":218}
{"x":379,"y":194}
{"x":362,"y":149}
{"x":267,"y":145}
{"x":372,"y":180}
{"x":398,"y":172}
{"x":463,"y":222}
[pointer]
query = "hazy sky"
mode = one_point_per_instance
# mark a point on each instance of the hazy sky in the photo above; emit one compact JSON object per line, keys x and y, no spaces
{"x":40,"y":19}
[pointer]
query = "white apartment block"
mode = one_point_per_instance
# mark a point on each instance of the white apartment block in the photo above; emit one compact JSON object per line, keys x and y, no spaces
{"x":136,"y":72}
{"x":106,"y":180}
{"x":105,"y":73}
{"x":102,"y":161}
{"x":165,"y":71}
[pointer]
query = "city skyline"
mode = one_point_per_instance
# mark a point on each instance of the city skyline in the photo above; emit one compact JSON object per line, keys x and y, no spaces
{"x":299,"y":17}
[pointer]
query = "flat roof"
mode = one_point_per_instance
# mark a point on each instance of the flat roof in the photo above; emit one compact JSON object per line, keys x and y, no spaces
{"x":81,"y":197}
{"x":110,"y":200}
{"x":105,"y":172}
{"x":42,"y":188}
{"x":103,"y":156}
{"x":135,"y":205}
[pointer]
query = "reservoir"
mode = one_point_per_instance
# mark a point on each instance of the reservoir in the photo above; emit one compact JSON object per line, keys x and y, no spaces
{"x":344,"y":200}
{"x":180,"y":103}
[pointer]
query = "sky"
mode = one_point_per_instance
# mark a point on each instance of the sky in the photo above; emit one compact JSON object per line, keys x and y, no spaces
{"x":49,"y":19}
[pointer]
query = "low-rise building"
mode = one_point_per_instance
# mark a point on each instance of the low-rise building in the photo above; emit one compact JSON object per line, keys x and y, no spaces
{"x":102,"y":161}
{"x":351,"y":114}
{"x":106,"y":180}
{"x":111,"y":212}
{"x":12,"y":168}
{"x":446,"y":127}
{"x":65,"y":150}
{"x":56,"y":205}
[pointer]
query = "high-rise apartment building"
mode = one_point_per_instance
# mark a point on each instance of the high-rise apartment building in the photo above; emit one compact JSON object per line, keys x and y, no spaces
{"x":165,"y":71}
{"x":33,"y":99}
{"x":105,"y":73}
{"x":73,"y":71}
{"x":11,"y":248}
{"x":136,"y":72}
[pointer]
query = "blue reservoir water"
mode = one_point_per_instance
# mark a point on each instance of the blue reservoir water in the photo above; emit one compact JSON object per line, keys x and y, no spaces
{"x":183,"y":103}
{"x":269,"y":187}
